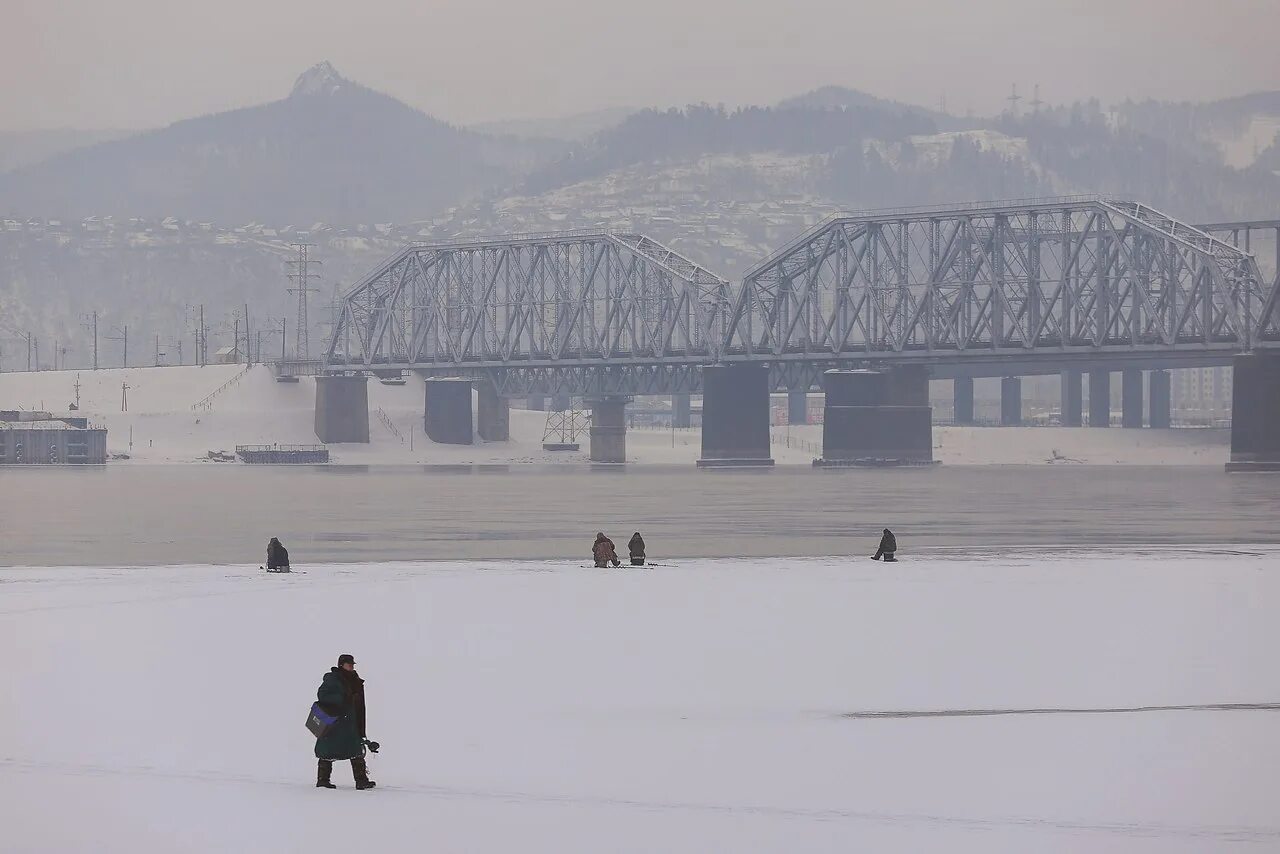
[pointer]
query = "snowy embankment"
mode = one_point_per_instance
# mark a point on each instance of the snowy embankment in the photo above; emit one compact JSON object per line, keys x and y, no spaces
{"x":160,"y":426}
{"x":709,"y":706}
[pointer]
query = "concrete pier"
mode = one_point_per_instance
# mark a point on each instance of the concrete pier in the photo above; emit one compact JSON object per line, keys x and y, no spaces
{"x":493,"y":413}
{"x":1099,"y":398}
{"x":1072,"y":398}
{"x":681,"y":410}
{"x":963,"y":396}
{"x":798,"y":406}
{"x":1159,"y":400}
{"x":1010,"y":401}
{"x":1255,"y":413}
{"x":735,"y":416}
{"x":1131,"y":398}
{"x":447,"y":416}
{"x":876,"y":418}
{"x":342,"y":409}
{"x":608,"y":429}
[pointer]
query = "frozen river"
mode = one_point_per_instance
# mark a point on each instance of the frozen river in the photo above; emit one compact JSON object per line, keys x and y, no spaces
{"x":157,"y":515}
{"x":1117,"y":701}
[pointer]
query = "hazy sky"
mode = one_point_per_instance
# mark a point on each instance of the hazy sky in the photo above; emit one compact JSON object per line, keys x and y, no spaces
{"x":143,"y":63}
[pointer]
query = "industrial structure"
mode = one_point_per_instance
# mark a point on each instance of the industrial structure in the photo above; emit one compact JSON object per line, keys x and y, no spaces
{"x":1065,"y":286}
{"x":41,"y":439}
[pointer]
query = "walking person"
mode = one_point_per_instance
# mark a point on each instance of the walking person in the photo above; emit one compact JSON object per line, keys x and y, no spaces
{"x":341,"y":694}
{"x":603,"y":552}
{"x":636,"y":548}
{"x":888,"y":545}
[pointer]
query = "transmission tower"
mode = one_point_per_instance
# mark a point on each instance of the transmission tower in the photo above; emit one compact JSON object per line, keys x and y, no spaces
{"x":301,"y":278}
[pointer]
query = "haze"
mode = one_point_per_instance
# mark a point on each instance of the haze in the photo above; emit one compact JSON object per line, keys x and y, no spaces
{"x":145,"y":63}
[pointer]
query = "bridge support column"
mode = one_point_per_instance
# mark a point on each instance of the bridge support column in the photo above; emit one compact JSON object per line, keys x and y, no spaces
{"x":608,"y":429}
{"x":1255,"y":413}
{"x":735,"y":416}
{"x":1160,"y":400}
{"x":447,"y":416}
{"x":963,"y":396}
{"x":1072,"y":398}
{"x":681,"y":410}
{"x":561,"y":402}
{"x":798,"y":406}
{"x":537,"y":402}
{"x":873,"y":418}
{"x":1099,"y":398}
{"x":1010,"y":401}
{"x":493,"y":413}
{"x":342,"y":409}
{"x":1131,"y":398}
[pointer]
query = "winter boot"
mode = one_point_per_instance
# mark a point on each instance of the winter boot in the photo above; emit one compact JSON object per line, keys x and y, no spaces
{"x":323,"y":771}
{"x":360,"y":771}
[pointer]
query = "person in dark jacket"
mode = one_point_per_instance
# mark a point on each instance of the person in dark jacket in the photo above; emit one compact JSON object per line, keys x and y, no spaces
{"x":342,"y":694}
{"x":603,"y":552}
{"x":888,"y":545}
{"x":636,"y":547}
{"x":277,"y":556}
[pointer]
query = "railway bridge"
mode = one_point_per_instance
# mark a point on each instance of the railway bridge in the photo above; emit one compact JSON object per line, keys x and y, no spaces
{"x":865,"y":306}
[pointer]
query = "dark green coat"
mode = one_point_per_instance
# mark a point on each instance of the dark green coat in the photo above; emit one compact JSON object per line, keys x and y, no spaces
{"x":342,"y":693}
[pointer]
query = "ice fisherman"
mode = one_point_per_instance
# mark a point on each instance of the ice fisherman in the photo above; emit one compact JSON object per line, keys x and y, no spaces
{"x":341,"y":694}
{"x":603,"y":551}
{"x":888,"y":545}
{"x":636,"y":547}
{"x":277,"y":556}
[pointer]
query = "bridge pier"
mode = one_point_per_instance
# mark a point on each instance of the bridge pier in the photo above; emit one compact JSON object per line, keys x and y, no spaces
{"x":447,"y":411}
{"x":963,"y":396}
{"x":561,"y":402}
{"x":1099,"y":398}
{"x":493,"y":413}
{"x":876,"y":418}
{"x":1255,"y":413}
{"x":1010,"y":401}
{"x":1160,"y":400}
{"x":798,"y":406}
{"x":1072,"y":398}
{"x":735,"y":416}
{"x":537,"y":402}
{"x":681,"y":410}
{"x":1131,"y":398}
{"x":342,"y":409}
{"x":608,"y":429}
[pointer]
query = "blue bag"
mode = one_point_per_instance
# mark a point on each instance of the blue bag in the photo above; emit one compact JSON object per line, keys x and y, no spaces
{"x":319,"y":721}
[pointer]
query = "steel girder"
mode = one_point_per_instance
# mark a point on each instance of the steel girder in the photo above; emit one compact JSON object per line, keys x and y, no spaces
{"x":573,"y":299}
{"x":1085,"y":275}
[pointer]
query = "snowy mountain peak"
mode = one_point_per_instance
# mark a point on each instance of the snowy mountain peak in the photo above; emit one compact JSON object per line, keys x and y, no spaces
{"x":320,"y":79}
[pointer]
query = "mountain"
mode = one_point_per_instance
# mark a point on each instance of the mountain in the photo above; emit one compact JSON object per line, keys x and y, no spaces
{"x":575,"y":128}
{"x":1236,"y":130}
{"x":332,"y":151}
{"x":20,"y":148}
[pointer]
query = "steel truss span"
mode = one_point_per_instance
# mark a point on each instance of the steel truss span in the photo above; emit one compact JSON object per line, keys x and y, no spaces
{"x":1086,"y":276}
{"x":564,"y":299}
{"x":1061,"y":281}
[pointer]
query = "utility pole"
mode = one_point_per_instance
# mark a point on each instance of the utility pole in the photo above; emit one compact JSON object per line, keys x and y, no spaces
{"x":28,"y":337}
{"x":248,"y":358}
{"x":90,"y":324}
{"x":301,"y":278}
{"x":123,"y":336}
{"x":37,"y":346}
{"x":1036,"y":103}
{"x":204,"y":339}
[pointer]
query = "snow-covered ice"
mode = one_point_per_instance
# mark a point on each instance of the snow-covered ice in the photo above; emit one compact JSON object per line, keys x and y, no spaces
{"x":699,"y":707}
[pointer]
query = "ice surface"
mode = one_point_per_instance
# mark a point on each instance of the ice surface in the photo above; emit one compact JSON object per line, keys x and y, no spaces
{"x":700,"y":707}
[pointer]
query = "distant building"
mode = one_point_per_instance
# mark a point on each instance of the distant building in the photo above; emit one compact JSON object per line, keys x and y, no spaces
{"x":227,"y":356}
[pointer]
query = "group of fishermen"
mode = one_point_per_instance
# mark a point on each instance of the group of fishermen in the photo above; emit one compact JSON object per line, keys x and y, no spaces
{"x":602,"y":552}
